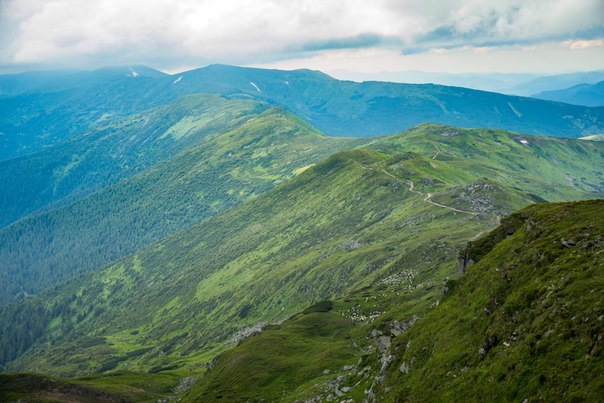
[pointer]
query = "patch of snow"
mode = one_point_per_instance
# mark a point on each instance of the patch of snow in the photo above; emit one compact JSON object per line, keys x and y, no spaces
{"x":177,"y":80}
{"x":516,"y":112}
{"x":286,"y":82}
{"x":255,"y":86}
{"x":134,"y":73}
{"x":524,"y":141}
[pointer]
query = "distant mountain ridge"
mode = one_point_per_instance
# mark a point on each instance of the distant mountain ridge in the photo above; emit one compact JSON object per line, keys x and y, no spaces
{"x":582,"y":94}
{"x":57,"y":112}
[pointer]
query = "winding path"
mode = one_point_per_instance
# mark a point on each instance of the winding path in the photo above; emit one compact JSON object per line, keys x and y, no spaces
{"x":427,"y":196}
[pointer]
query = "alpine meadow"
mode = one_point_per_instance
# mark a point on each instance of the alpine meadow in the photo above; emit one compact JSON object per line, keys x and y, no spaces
{"x":263,"y":229}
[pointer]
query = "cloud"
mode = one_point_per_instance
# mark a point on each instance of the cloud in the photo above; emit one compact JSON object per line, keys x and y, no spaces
{"x":509,"y":22}
{"x":355,"y":42}
{"x":168,"y":33}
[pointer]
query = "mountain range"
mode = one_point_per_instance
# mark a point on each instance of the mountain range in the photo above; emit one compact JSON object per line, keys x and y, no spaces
{"x":581,"y":94}
{"x":40,"y":112}
{"x":242,"y":234}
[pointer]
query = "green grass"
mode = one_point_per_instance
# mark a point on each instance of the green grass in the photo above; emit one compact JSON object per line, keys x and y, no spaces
{"x":350,"y":224}
{"x":237,"y":150}
{"x":524,"y":322}
{"x":118,"y":386}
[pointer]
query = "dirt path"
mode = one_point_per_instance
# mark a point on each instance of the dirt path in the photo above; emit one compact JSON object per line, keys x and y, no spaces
{"x":428,"y":199}
{"x":428,"y":196}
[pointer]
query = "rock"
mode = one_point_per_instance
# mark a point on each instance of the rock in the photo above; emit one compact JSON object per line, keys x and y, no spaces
{"x":568,"y":242}
{"x":383,"y":344}
{"x":346,"y":389}
{"x":326,"y":372}
{"x":404,"y":368}
{"x":349,"y":367}
{"x":376,"y":333}
{"x":397,"y":328}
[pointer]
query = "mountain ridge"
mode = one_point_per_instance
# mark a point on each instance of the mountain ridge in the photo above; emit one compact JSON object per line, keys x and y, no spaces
{"x":338,"y":108}
{"x":356,"y":219}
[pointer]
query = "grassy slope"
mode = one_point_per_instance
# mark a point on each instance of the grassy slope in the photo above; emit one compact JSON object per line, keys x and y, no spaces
{"x":341,"y":225}
{"x":119,"y":386}
{"x":243,"y":157}
{"x":524,"y":322}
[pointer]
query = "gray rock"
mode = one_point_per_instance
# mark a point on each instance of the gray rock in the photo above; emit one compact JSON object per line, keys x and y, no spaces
{"x":404,"y":368}
{"x":383,"y":344}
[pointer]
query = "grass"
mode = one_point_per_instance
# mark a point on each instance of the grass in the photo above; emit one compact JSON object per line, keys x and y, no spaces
{"x":523,"y":322}
{"x":348,"y":226}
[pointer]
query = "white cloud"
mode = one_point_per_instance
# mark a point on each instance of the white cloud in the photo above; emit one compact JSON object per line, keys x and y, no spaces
{"x":170,"y":33}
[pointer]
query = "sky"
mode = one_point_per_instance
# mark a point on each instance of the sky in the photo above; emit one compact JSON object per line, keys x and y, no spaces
{"x":364,"y":36}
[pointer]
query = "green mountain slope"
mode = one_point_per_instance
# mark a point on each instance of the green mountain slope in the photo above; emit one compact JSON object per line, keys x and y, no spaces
{"x":524,"y":322}
{"x":116,"y":387}
{"x":398,"y":210}
{"x":115,"y":150}
{"x":240,"y":151}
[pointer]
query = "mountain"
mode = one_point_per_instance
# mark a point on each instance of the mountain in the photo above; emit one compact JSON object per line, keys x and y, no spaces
{"x":393,"y":213}
{"x":557,"y":82}
{"x":114,"y":151}
{"x":45,"y":114}
{"x":492,"y":82}
{"x":203,"y":155}
{"x":524,"y":322}
{"x":45,"y":108}
{"x":375,"y":108}
{"x":523,"y":84}
{"x":582,"y":94}
{"x":37,"y":82}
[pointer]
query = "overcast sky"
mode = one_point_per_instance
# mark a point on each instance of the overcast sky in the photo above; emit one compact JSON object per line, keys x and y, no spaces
{"x":543,"y":36}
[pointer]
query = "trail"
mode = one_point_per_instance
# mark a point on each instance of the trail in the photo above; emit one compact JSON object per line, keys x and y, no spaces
{"x":428,"y":196}
{"x":428,"y":199}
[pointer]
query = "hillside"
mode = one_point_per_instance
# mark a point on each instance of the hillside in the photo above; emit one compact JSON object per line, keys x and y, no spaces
{"x":115,"y":150}
{"x":513,"y":327}
{"x":398,"y":209}
{"x":581,"y":94}
{"x":47,"y":107}
{"x":39,"y":112}
{"x":230,"y":151}
{"x":521,"y":320}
